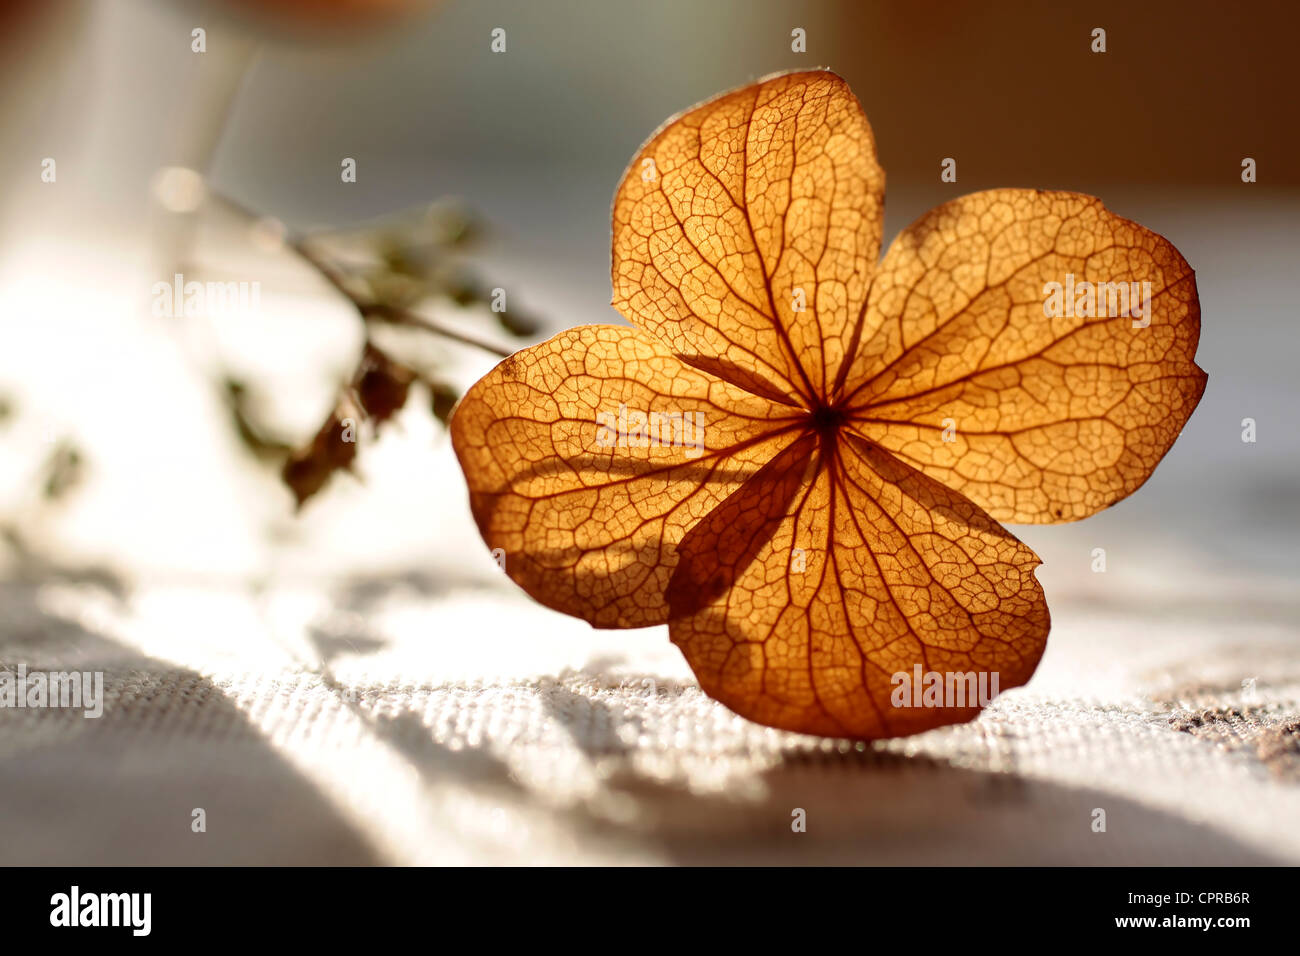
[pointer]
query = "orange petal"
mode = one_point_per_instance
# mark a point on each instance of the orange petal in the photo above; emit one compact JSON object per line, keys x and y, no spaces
{"x":873,"y":571}
{"x":1035,"y":417}
{"x":739,"y":212}
{"x":585,"y":522}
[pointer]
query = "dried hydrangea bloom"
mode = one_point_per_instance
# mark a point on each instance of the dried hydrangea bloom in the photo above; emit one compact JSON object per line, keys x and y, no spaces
{"x":798,"y":454}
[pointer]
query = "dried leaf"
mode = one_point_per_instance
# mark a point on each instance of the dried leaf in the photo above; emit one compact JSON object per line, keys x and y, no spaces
{"x":63,"y":470}
{"x":382,"y":384}
{"x":1052,"y":418}
{"x":588,"y":528}
{"x":827,"y":542}
{"x":761,"y":192}
{"x":443,"y":399}
{"x":251,"y":436}
{"x":516,"y":324}
{"x":898,"y":571}
{"x":333,"y":447}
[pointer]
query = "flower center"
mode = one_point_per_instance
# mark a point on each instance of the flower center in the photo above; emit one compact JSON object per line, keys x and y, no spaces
{"x":827,"y":420}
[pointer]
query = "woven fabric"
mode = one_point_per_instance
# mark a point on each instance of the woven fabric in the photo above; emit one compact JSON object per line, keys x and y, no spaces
{"x":472,"y":727}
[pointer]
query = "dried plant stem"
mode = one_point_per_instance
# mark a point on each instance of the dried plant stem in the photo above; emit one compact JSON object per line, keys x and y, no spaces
{"x":369,"y":311}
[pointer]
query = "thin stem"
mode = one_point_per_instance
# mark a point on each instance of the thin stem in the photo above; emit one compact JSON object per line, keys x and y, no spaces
{"x":378,"y":311}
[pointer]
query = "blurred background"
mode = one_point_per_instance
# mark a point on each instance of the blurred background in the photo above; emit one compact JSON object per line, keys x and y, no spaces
{"x":146,"y":523}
